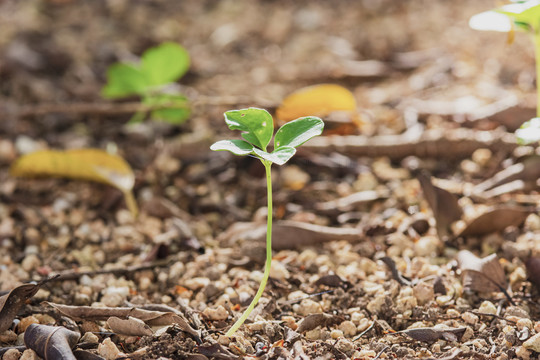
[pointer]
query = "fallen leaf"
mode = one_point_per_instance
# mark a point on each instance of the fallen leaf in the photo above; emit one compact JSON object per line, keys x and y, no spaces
{"x":218,"y":351}
{"x":80,"y":164}
{"x":86,"y":355}
{"x":130,"y":326}
{"x":152,"y":318}
{"x":12,"y":302}
{"x":482,"y":275}
{"x":317,"y":100}
{"x":431,"y":334}
{"x":533,"y":270}
{"x":443,"y":204}
{"x":496,"y":219}
{"x":333,"y":280}
{"x":311,"y":321}
{"x":51,"y":342}
{"x":288,"y":234}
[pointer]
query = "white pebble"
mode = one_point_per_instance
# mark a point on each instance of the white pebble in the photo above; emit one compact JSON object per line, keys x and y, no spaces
{"x":533,"y":343}
{"x":306,"y":307}
{"x":336,"y":334}
{"x":469,"y":318}
{"x":423,"y":292}
{"x":29,"y":355}
{"x":279,"y":271}
{"x":108,"y":349}
{"x":218,"y":313}
{"x":12,"y":354}
{"x":523,"y":353}
{"x":348,"y":328}
{"x":487,"y":307}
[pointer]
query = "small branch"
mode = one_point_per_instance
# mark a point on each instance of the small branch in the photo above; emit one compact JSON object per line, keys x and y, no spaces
{"x":440,"y":144}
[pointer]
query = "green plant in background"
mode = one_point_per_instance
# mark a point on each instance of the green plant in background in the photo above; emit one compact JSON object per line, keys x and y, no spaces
{"x":257,"y":128}
{"x":159,"y":67}
{"x":522,"y":16}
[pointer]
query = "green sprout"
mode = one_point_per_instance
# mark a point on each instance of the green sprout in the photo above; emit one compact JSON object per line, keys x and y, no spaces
{"x":523,"y":16}
{"x":150,"y":79}
{"x":257,"y":128}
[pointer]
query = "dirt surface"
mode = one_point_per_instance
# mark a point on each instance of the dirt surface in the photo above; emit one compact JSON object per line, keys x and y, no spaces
{"x":367,"y":245}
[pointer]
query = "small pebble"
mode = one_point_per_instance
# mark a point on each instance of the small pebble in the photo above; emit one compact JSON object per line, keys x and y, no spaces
{"x":469,"y":318}
{"x":218,"y":313}
{"x":12,"y":354}
{"x":29,"y":355}
{"x":427,"y":245}
{"x":89,"y":337}
{"x":523,"y":353}
{"x":307,"y":307}
{"x":524,"y":323}
{"x":108,"y":349}
{"x":30,"y":262}
{"x":293,"y":177}
{"x":348,"y":328}
{"x":279,"y":271}
{"x":196,"y":283}
{"x":345,"y":345}
{"x":26,"y":322}
{"x":533,"y":343}
{"x":423,"y":292}
{"x":336,"y":334}
{"x":7,"y":336}
{"x":481,"y":156}
{"x":290,"y":321}
{"x":487,"y":307}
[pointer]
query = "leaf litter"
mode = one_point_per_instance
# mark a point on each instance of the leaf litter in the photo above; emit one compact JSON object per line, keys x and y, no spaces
{"x":358,"y":200}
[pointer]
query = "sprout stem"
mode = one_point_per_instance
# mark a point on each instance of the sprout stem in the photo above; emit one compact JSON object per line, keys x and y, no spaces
{"x":267,"y":165}
{"x":536,"y":36}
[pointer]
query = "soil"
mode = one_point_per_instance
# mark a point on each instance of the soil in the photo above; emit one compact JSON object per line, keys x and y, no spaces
{"x":363,"y":252}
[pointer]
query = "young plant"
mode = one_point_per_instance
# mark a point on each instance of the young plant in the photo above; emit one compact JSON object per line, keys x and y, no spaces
{"x":523,"y":16}
{"x":150,"y":79}
{"x":257,"y":128}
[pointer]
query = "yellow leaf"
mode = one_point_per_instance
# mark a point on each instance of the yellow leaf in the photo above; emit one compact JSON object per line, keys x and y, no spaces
{"x":80,"y":164}
{"x":317,"y":100}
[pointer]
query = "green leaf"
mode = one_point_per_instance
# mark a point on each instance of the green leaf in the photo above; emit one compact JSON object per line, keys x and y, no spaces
{"x":237,"y":147}
{"x":279,"y":156}
{"x":529,"y":132}
{"x":257,"y":124}
{"x":124,"y":80}
{"x":523,"y":15}
{"x":164,"y":63}
{"x":176,"y":107}
{"x":297,"y":132}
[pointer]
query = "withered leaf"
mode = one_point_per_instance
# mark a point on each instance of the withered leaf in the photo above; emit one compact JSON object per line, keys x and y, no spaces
{"x":443,"y":204}
{"x":288,"y":234}
{"x":311,"y":321}
{"x":152,"y":318}
{"x":482,"y":275}
{"x":86,"y":355}
{"x":130,"y":326}
{"x":216,"y":350}
{"x":332,"y":280}
{"x":496,"y":219}
{"x":533,"y":270}
{"x":51,"y":342}
{"x":12,"y":302}
{"x":430,"y":334}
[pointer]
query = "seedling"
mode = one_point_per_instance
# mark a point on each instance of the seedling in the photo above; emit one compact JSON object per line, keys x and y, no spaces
{"x":523,"y":16}
{"x":257,"y":128}
{"x":150,"y":79}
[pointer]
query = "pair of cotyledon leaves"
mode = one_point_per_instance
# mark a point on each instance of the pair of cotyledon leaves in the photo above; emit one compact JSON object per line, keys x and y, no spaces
{"x":257,"y":126}
{"x":520,"y":15}
{"x":158,"y":67}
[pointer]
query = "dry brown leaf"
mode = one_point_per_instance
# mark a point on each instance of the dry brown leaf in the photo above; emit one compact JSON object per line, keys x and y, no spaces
{"x":317,"y":100}
{"x":432,"y":334}
{"x":80,"y":164}
{"x":51,"y":342}
{"x":311,"y":321}
{"x":443,"y":204}
{"x":288,"y":234}
{"x":130,"y":326}
{"x":533,"y":270}
{"x":152,"y":318}
{"x":482,"y":275}
{"x":495,"y":220}
{"x":12,"y":302}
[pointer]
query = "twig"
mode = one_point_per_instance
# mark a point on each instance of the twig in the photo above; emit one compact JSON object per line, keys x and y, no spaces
{"x":396,"y":275}
{"x":365,"y":331}
{"x":71,"y":275}
{"x":436,"y":143}
{"x":380,"y":352}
